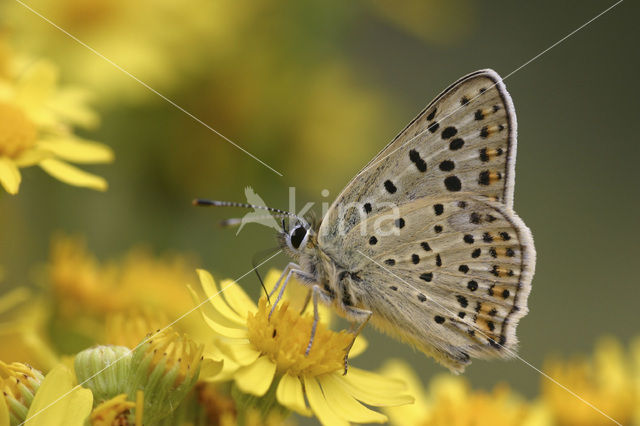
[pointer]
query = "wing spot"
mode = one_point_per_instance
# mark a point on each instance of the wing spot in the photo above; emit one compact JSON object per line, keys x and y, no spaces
{"x":394,"y":288}
{"x":477,"y":308}
{"x":464,"y":101}
{"x":400,"y":223}
{"x":493,"y":312}
{"x":452,"y":183}
{"x":476,"y":253}
{"x":496,"y":108}
{"x":438,"y":260}
{"x":390,"y":262}
{"x":414,"y":156}
{"x":367,"y":208}
{"x":437,"y":229}
{"x":390,"y":187}
{"x":462,"y":314}
{"x":493,"y":252}
{"x":463,"y":268}
{"x":447,"y":166}
{"x":438,"y":209}
{"x":373,"y":241}
{"x":432,"y":114}
{"x":491,"y":325}
{"x":422,"y":297}
{"x":449,"y":132}
{"x":484,"y":132}
{"x":468,"y":239}
{"x":433,"y":127}
{"x":472,"y":285}
{"x":456,"y":144}
{"x":462,"y":301}
{"x":482,"y":90}
{"x":490,"y":218}
{"x":487,"y":238}
{"x":415,"y":259}
{"x":509,"y":252}
{"x":425,"y":246}
{"x":490,"y":290}
{"x":479,"y":115}
{"x":505,"y":236}
{"x":462,"y":204}
{"x":428,"y":276}
{"x":505,"y":294}
{"x":438,"y":319}
{"x":474,"y":218}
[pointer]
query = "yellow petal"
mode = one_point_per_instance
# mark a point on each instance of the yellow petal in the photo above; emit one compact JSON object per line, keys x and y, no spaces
{"x":58,"y":403}
{"x":234,"y":333}
{"x":374,"y":389}
{"x":210,"y":368}
{"x":257,"y":377}
{"x":342,"y":402}
{"x":214,"y":314}
{"x":32,"y":157}
{"x":243,"y":353}
{"x":9,"y":175}
{"x":72,"y":175}
{"x":359,"y":346}
{"x":212,"y":293}
{"x":77,"y":150}
{"x":319,"y":405}
{"x":237,"y":298}
{"x":290,"y":395}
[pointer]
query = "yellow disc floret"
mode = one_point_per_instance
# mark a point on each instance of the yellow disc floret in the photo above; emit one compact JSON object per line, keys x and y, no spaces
{"x":285,"y":336}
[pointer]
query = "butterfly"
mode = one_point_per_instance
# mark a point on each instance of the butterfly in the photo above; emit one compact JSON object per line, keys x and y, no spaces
{"x":423,"y":242}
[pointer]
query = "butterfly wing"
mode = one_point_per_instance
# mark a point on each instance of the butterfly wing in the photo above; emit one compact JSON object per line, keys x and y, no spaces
{"x":428,"y":227}
{"x":450,"y":275}
{"x":464,"y":141}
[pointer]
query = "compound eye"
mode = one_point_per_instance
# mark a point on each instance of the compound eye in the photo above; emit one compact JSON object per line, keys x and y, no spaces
{"x":297,"y":236}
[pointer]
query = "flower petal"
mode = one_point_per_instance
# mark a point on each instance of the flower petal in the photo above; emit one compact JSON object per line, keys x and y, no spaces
{"x":342,"y":402}
{"x":291,"y":395}
{"x":212,"y":313}
{"x":237,"y":298}
{"x":374,"y":389}
{"x":234,"y":333}
{"x":9,"y":175}
{"x":212,"y":293}
{"x":31,"y":157}
{"x":210,"y":368}
{"x":77,"y":150}
{"x":4,"y":413}
{"x":72,"y":175}
{"x":359,"y":346}
{"x":257,"y":377}
{"x":319,"y":405}
{"x":243,"y":353}
{"x":58,"y":402}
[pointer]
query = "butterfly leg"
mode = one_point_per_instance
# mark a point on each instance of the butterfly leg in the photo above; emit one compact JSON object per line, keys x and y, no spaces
{"x":307,"y":299}
{"x":292,"y":271}
{"x":356,"y":316}
{"x":285,"y":271}
{"x":317,"y":294}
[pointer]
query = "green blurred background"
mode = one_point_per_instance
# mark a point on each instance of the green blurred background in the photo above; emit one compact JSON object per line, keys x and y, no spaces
{"x":315,"y":89}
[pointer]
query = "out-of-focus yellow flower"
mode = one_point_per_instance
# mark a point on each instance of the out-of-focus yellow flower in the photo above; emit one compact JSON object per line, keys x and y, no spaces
{"x":158,"y":41}
{"x":609,"y":381}
{"x":59,"y":402}
{"x":151,"y":289}
{"x":269,"y":358}
{"x":18,"y":384}
{"x":36,"y":127}
{"x":451,"y":402}
{"x":23,"y":320}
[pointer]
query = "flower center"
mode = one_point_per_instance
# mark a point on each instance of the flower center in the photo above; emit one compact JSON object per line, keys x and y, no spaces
{"x":17,"y":132}
{"x":284,"y":339}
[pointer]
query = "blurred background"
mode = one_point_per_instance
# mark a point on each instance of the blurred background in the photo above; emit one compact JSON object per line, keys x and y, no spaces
{"x":334,"y":81}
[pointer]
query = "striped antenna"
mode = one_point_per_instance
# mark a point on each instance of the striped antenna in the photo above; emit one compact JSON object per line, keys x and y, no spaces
{"x":216,"y":203}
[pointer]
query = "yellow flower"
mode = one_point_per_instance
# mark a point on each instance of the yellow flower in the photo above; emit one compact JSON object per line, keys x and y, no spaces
{"x":23,"y":323}
{"x":58,"y":402}
{"x":18,"y":383}
{"x":609,"y":381}
{"x":148,"y":290}
{"x":451,"y":402}
{"x":263,"y":354}
{"x":36,"y":119}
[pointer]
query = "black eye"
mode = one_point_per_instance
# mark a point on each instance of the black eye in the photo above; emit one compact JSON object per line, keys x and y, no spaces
{"x":297,"y":236}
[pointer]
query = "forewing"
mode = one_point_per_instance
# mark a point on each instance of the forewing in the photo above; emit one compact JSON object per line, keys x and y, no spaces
{"x":463,"y":142}
{"x":451,"y":275}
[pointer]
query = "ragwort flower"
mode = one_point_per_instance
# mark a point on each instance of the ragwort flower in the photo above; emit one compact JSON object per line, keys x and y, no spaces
{"x":36,"y":120}
{"x":266,"y":356}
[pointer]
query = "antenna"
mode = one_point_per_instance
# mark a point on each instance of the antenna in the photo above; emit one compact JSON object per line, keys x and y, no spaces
{"x":216,"y":203}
